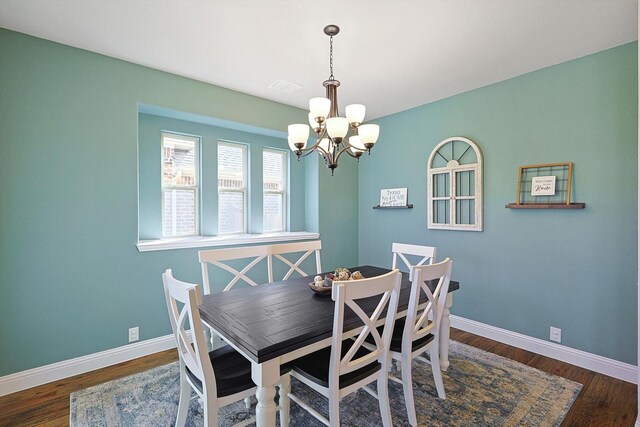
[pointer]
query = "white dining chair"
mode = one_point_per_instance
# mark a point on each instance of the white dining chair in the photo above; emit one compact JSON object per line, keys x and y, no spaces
{"x":419,"y":332}
{"x":347,"y":365}
{"x":412,"y":255}
{"x":234,"y":265}
{"x":249,"y":256}
{"x":302,"y":251}
{"x":219,"y":377}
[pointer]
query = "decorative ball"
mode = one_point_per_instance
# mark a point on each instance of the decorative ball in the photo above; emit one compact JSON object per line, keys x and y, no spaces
{"x":343,"y":275}
{"x":356,"y":275}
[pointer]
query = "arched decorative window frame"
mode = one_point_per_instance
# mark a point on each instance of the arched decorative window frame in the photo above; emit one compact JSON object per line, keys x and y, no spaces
{"x":451,"y":169}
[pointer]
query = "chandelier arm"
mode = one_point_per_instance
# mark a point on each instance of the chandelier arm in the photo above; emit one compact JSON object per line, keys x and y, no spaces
{"x":348,"y":145}
{"x":306,"y":152}
{"x":348,"y":152}
{"x":353,"y":155}
{"x":316,"y":146}
{"x":345,"y":140}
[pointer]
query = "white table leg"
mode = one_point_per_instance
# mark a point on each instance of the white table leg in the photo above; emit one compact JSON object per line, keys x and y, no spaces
{"x":444,"y":333}
{"x":266,"y":376}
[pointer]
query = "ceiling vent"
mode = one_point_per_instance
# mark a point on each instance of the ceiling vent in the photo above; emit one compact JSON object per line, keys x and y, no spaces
{"x":284,"y":86}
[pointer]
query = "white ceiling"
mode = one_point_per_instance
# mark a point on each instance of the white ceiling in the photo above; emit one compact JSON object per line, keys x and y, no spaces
{"x":390,"y":54}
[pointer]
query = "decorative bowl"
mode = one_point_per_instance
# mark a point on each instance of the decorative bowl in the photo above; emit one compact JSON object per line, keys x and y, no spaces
{"x":324,"y":286}
{"x":320,"y":290}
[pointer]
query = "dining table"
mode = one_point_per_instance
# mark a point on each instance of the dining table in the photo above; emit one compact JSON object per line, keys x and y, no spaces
{"x":278,"y":322}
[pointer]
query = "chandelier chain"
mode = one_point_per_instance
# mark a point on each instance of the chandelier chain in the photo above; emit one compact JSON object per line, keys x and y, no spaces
{"x":331,"y":58}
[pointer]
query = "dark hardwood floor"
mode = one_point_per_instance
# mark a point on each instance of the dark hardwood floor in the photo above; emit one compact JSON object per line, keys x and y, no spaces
{"x":603,"y":401}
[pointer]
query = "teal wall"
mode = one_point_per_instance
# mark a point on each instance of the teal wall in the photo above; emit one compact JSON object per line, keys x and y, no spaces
{"x":529,"y":269}
{"x":72,"y":280}
{"x":338,"y":213}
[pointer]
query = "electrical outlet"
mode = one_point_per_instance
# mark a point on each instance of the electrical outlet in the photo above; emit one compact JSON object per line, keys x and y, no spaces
{"x":134,"y":334}
{"x":555,"y":334}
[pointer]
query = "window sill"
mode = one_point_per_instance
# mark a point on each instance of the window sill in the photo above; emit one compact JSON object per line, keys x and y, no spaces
{"x":233,"y":239}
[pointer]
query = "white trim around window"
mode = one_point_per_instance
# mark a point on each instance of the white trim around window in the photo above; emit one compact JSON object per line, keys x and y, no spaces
{"x":224,"y":240}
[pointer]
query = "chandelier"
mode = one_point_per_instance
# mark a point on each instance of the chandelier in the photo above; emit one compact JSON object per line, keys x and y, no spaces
{"x":332,"y":131}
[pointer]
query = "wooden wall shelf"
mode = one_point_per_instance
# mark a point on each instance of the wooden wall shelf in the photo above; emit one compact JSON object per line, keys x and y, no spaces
{"x":409,"y":206}
{"x":576,"y":205}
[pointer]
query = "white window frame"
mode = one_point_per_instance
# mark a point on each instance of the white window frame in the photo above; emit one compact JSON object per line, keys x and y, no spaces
{"x":285,"y":188}
{"x":451,"y":169}
{"x":195,"y":188}
{"x":244,"y":190}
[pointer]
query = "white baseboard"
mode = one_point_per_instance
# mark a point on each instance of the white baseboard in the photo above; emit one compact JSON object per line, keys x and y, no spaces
{"x":79,"y":365}
{"x":593,"y":362}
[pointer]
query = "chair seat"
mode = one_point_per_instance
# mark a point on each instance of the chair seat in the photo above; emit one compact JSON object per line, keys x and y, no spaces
{"x":396,"y":338}
{"x":315,"y":366}
{"x":232,"y":371}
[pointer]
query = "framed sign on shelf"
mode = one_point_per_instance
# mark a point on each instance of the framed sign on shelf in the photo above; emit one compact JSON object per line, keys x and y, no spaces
{"x":545,"y":186}
{"x":393,"y":198}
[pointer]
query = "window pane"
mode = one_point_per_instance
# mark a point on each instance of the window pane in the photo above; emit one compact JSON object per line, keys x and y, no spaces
{"x":231,"y":212}
{"x":272,"y":169}
{"x":231,"y":166}
{"x":179,"y":164}
{"x":232,"y":175}
{"x":179,"y":185}
{"x":179,"y":213}
{"x":274,"y":180}
{"x":465,"y":183}
{"x":441,"y":212}
{"x":465,"y":211}
{"x":273,"y":212}
{"x":441,"y":185}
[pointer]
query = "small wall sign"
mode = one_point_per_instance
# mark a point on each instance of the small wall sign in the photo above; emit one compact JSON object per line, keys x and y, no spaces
{"x":393,"y":197}
{"x":543,"y":185}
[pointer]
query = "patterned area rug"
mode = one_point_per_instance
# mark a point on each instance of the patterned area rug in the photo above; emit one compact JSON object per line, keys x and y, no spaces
{"x":482,"y":390}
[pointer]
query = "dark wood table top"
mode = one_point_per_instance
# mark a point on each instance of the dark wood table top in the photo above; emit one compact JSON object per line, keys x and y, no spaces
{"x":273,"y":319}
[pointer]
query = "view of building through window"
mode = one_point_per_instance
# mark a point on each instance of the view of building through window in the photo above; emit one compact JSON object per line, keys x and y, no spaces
{"x":232,"y":188}
{"x":179,"y":185}
{"x":274,"y":166}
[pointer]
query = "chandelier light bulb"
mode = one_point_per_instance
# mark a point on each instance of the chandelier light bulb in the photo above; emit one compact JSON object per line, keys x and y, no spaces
{"x":299,"y":134}
{"x":319,"y":107}
{"x":355,"y":114}
{"x":369,"y":134}
{"x":356,"y":144}
{"x":291,"y":144}
{"x":337,"y":127}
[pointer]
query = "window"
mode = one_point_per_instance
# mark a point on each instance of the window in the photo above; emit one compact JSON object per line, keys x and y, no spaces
{"x":187,"y":200}
{"x":232,"y":188}
{"x":274,"y":185}
{"x":179,"y":185}
{"x":455,"y":185}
